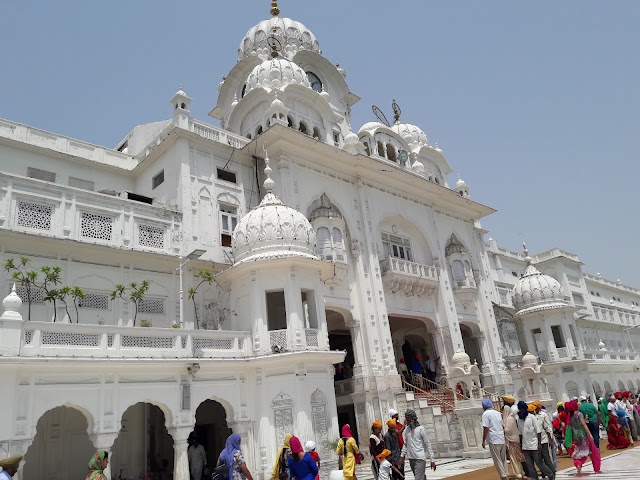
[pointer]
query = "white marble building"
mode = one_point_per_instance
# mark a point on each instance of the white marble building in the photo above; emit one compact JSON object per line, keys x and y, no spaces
{"x":346,"y":241}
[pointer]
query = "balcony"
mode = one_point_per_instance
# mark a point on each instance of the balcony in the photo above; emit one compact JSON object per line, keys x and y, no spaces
{"x":217,"y":134}
{"x":50,"y":210}
{"x":45,"y":339}
{"x":410,"y":278}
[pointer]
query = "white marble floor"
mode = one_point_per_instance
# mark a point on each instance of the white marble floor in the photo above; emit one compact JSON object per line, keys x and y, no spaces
{"x":446,"y":467}
{"x":620,"y":466}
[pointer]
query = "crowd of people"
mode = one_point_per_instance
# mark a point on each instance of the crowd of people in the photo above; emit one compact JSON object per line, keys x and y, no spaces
{"x":420,"y":366}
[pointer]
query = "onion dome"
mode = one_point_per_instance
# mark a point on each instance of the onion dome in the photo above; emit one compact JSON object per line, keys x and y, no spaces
{"x":460,"y":359}
{"x":454,"y":246}
{"x":11,"y":304}
{"x":371,"y":127}
{"x":325,"y":210}
{"x":273,"y":230}
{"x":276,"y":73}
{"x":536,"y":291}
{"x":291,"y":35}
{"x":412,"y":134}
{"x":529,"y":360}
{"x":461,"y":183}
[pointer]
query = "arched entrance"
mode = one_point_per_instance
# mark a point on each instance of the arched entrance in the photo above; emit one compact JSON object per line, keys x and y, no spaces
{"x":61,"y":448}
{"x":597,"y":389}
{"x":607,"y":388}
{"x":340,"y":339}
{"x":413,"y":338}
{"x":143,"y":444}
{"x":211,"y":429}
{"x":471,"y":344}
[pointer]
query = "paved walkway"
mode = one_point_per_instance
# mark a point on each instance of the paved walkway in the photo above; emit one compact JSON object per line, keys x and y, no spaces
{"x":447,"y":467}
{"x":620,"y":466}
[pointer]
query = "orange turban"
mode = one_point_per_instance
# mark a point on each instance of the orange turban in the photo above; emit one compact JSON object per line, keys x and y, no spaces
{"x":391,"y":423}
{"x":531,"y":408}
{"x":384,"y":454}
{"x":377,"y":424}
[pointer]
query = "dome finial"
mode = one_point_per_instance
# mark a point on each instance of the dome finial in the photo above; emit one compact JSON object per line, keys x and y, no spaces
{"x":268,"y":182}
{"x":527,"y":258}
{"x":396,"y":111}
{"x":275,"y":11}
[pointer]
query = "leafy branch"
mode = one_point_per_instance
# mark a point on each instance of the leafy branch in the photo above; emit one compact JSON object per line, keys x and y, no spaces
{"x":133,"y":292}
{"x":205,"y":276}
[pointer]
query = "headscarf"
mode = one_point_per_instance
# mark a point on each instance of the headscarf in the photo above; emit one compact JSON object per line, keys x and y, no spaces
{"x":571,"y":406}
{"x":384,"y":454}
{"x":231,"y":447}
{"x":96,"y":466}
{"x":346,"y":431}
{"x":487,"y":403}
{"x":522,"y":410}
{"x":310,"y":446}
{"x":296,"y":446}
{"x":412,"y":417}
{"x":391,"y":423}
{"x":376,"y":424}
{"x":277,"y":466}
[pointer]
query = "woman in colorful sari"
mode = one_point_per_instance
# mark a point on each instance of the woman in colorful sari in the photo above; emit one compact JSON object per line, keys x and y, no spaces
{"x":97,"y":465}
{"x":301,"y":465}
{"x":583,"y":445}
{"x":233,"y":458}
{"x":281,"y":468}
{"x":348,"y":450}
{"x":615,"y":436}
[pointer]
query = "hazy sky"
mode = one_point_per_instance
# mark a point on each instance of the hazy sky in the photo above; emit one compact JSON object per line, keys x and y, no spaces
{"x":535,"y":104}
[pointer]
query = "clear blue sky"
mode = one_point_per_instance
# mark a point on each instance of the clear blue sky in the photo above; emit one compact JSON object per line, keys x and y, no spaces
{"x":535,"y":104}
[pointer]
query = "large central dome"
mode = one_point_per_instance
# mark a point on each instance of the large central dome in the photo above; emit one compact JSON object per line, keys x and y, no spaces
{"x":292,"y":36}
{"x":536,"y":291}
{"x":273,"y":230}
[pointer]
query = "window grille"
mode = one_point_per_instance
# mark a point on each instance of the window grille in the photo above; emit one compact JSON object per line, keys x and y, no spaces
{"x":94,"y":300}
{"x":96,"y":226}
{"x":33,"y":215}
{"x":151,"y":236}
{"x":151,"y":306}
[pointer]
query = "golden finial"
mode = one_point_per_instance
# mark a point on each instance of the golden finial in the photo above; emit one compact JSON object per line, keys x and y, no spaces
{"x":275,"y":11}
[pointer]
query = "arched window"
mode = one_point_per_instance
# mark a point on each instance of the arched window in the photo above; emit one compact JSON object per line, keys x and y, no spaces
{"x":259,"y":130}
{"x":337,"y":243}
{"x":366,"y":148}
{"x":457,"y":269}
{"x":244,"y":91}
{"x":303,"y":128}
{"x":290,"y":122}
{"x":323,"y":242}
{"x":381,"y":149}
{"x":249,"y":136}
{"x":316,"y":133}
{"x":391,"y":153}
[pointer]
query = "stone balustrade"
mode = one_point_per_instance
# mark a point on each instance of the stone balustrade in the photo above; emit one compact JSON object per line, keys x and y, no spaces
{"x":410,"y":278}
{"x":46,"y":339}
{"x":217,"y":134}
{"x":45,"y":209}
{"x":52,"y":141}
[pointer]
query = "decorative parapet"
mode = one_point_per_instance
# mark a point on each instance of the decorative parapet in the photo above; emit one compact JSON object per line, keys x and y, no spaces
{"x":217,"y":134}
{"x":410,"y":278}
{"x":45,"y":339}
{"x":57,"y":211}
{"x":58,"y":143}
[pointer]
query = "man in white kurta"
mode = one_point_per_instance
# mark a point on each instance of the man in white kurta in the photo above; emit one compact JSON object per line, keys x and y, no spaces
{"x":197,"y":459}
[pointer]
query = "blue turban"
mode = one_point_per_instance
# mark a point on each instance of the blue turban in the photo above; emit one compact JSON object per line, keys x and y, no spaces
{"x":487,"y":403}
{"x":522,"y":405}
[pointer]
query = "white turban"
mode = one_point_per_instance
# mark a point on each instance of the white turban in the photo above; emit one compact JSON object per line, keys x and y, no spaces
{"x":392,"y":412}
{"x":310,"y":446}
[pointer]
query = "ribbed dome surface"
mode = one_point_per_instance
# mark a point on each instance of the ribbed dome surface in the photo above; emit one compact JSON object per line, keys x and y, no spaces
{"x":276,"y":73}
{"x":412,"y":134}
{"x":537,"y":291}
{"x":292,"y":36}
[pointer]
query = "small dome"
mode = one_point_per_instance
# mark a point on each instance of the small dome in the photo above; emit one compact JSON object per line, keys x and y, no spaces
{"x":273,"y":230}
{"x":12,"y":302}
{"x":536,"y":291}
{"x":461,"y":183}
{"x":292,"y":36}
{"x":370,"y":127}
{"x":454,"y":246}
{"x":412,"y":134}
{"x":325,"y":210}
{"x":460,"y":358}
{"x":276,"y":73}
{"x":529,"y":360}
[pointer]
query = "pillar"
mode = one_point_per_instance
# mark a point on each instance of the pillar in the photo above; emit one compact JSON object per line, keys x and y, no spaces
{"x":181,"y":461}
{"x":293,"y":301}
{"x":359,"y":353}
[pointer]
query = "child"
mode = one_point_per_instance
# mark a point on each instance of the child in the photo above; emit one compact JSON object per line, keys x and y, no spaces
{"x":311,"y":448}
{"x":386,"y":467}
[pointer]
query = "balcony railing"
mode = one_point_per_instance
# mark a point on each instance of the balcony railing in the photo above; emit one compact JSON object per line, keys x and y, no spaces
{"x":45,"y":339}
{"x":217,"y":134}
{"x":410,"y":278}
{"x":57,"y":211}
{"x":344,"y":387}
{"x":278,"y":338}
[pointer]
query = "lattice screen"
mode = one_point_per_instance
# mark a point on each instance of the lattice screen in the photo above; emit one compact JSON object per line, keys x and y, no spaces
{"x":33,"y":215}
{"x":311,"y":335}
{"x":95,"y":300}
{"x":74,"y":339}
{"x":151,"y":236}
{"x":151,"y":306}
{"x":96,"y":226}
{"x":37,"y":294}
{"x":129,"y":341}
{"x":213,"y":343}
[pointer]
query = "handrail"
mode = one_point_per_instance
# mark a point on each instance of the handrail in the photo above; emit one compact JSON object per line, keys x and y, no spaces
{"x":428,"y":395}
{"x":440,"y":387}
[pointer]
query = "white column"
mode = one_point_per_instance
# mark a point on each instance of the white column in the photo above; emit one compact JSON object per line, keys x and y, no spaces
{"x":293,"y":302}
{"x":180,"y":462}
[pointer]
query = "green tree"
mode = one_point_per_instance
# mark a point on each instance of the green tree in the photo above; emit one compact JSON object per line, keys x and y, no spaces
{"x":77,"y":294}
{"x":51,"y":279}
{"x":21,"y":276}
{"x":205,"y":276}
{"x":133,"y":292}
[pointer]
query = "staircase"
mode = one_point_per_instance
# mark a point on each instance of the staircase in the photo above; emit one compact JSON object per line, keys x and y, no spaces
{"x":434,"y":394}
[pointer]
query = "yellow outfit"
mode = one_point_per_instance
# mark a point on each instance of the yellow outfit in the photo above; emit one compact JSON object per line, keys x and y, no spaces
{"x":348,"y":457}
